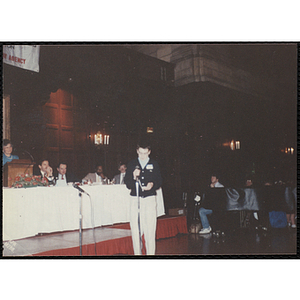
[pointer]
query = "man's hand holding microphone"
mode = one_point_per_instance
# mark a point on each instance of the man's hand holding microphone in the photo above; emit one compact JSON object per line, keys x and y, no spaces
{"x":136,"y":175}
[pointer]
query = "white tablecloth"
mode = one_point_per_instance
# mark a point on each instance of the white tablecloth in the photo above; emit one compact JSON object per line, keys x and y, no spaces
{"x":27,"y":212}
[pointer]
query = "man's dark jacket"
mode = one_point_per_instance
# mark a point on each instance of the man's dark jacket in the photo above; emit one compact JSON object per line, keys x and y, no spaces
{"x":151,"y":173}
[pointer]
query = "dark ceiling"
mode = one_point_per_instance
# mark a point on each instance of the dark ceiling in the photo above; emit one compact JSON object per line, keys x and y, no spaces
{"x":96,"y":71}
{"x":99,"y":66}
{"x":104,"y":76}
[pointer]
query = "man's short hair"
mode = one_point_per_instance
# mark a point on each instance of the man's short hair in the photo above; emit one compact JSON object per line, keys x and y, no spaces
{"x":121,"y":164}
{"x":61,"y":163}
{"x":98,"y":165}
{"x":249,"y":177}
{"x":215,"y":175}
{"x":143,"y":145}
{"x":42,"y":160}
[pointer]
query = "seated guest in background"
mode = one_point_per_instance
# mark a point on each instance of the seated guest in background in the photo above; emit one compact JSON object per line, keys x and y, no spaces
{"x":215,"y":182}
{"x":98,"y":176}
{"x":7,"y":150}
{"x":294,"y":192}
{"x":291,"y":201}
{"x":63,"y":178}
{"x":205,"y":210}
{"x":249,"y":183}
{"x":45,"y":171}
{"x":266,"y":198}
{"x":119,"y":179}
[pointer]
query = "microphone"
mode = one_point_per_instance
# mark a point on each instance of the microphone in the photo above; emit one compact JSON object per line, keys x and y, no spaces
{"x":32,"y":159}
{"x":79,"y":189}
{"x":137,"y":168}
{"x":24,"y":151}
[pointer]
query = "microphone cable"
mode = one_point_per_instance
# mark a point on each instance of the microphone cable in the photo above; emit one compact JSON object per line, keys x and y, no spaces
{"x":93,"y":224}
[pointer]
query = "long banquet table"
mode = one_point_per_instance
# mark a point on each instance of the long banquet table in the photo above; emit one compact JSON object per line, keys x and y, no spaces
{"x":30,"y":211}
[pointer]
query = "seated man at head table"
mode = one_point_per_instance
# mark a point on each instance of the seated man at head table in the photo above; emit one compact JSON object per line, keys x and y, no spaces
{"x":45,"y":171}
{"x":7,"y":150}
{"x":96,"y":177}
{"x":63,"y":177}
{"x":119,"y":178}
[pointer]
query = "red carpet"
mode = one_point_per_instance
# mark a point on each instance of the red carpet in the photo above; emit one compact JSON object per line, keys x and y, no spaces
{"x":166,"y":227}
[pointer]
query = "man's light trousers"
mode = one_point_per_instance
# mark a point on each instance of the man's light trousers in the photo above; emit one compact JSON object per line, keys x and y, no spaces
{"x":148,"y":219}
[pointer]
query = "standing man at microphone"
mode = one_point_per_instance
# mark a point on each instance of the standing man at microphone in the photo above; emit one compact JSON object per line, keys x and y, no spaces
{"x":146,"y":172}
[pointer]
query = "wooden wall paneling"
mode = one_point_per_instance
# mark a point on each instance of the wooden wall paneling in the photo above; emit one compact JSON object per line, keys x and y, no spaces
{"x":66,"y":116}
{"x":53,"y":98}
{"x":59,"y":129}
{"x":6,"y":117}
{"x":67,"y":138}
{"x":52,"y":154}
{"x":68,"y":157}
{"x":66,"y":98}
{"x":52,"y":136}
{"x":51,"y":113}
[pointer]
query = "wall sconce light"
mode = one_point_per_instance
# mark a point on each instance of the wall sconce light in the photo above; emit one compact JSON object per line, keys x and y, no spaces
{"x":101,"y":139}
{"x":149,"y":129}
{"x":232,"y":145}
{"x":289,"y":150}
{"x":106,"y":139}
{"x":98,"y":138}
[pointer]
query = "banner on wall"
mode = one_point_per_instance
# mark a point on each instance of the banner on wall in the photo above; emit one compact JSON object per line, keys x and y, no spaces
{"x":22,"y":56}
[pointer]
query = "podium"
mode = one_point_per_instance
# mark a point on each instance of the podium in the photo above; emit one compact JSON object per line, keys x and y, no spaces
{"x":14,"y":168}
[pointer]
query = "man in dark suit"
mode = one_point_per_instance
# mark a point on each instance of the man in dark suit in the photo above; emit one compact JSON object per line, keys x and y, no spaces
{"x":119,"y":179}
{"x":44,"y":170}
{"x":63,"y":178}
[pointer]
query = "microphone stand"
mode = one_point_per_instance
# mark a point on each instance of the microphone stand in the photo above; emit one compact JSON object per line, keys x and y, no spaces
{"x":139,"y":221}
{"x":31,"y":157}
{"x":80,"y":223}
